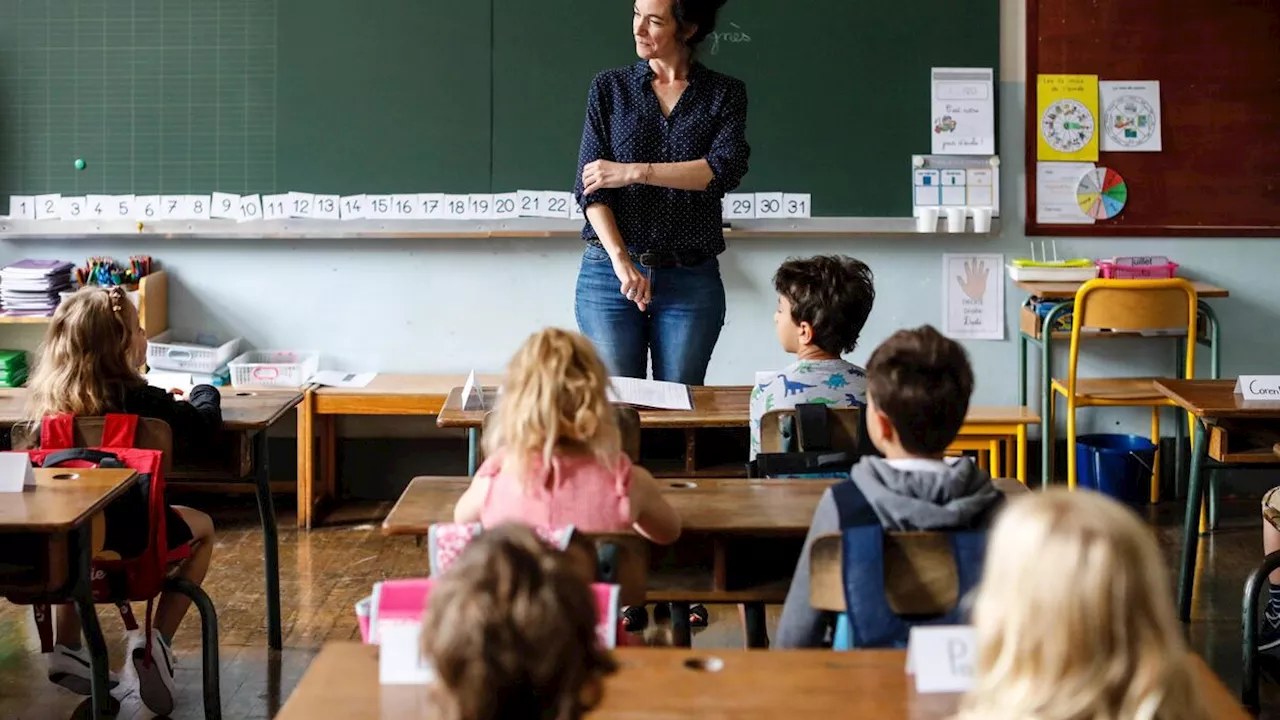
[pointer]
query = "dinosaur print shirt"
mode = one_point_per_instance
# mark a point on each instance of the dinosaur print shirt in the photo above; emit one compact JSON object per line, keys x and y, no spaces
{"x":831,"y":382}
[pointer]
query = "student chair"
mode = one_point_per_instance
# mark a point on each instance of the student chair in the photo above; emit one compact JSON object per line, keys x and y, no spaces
{"x":151,"y":434}
{"x":1124,"y":306}
{"x":780,"y":432}
{"x":628,"y":426}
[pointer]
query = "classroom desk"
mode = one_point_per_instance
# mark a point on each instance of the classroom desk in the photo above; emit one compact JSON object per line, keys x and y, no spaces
{"x":1226,"y":426}
{"x":46,"y":552}
{"x":248,"y":413}
{"x":671,"y":683}
{"x":1034,"y":331}
{"x":729,"y":407}
{"x":387,"y":394}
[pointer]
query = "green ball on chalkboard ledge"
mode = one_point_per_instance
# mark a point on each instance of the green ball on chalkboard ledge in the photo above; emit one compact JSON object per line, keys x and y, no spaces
{"x":79,"y":163}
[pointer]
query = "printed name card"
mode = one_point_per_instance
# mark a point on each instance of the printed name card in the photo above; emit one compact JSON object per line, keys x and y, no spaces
{"x":16,"y":473}
{"x":942,"y":658}
{"x":1259,"y":387}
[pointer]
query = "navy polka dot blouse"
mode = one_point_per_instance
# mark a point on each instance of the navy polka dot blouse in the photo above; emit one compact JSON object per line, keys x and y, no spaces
{"x":625,"y":124}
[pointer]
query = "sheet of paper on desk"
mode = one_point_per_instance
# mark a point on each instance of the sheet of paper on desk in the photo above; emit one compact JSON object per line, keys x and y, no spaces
{"x":16,"y":472}
{"x":650,"y":394}
{"x":170,"y":380}
{"x":338,"y":378}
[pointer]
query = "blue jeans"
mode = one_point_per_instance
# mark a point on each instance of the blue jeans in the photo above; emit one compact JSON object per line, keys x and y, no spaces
{"x":680,"y":327}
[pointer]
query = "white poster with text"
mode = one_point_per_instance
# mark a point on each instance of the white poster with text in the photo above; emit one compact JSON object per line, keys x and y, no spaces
{"x":964,"y":111}
{"x":973,"y":296}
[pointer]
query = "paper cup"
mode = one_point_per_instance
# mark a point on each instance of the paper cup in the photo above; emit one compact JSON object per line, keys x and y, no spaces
{"x":981,"y":219}
{"x":927,"y":219}
{"x":955,"y":219}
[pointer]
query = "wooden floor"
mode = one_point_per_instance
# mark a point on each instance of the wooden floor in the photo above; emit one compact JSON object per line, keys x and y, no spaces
{"x":324,"y":573}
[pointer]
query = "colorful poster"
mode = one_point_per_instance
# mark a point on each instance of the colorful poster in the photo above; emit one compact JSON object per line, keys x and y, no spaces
{"x":1067,"y":106}
{"x":1130,"y":116}
{"x":1102,"y":193}
{"x":964,"y":111}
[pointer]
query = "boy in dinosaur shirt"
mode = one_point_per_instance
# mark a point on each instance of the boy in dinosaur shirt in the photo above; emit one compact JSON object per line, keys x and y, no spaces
{"x":823,"y":304}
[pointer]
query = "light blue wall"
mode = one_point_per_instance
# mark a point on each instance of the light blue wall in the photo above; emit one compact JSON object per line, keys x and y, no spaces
{"x":436,"y":306}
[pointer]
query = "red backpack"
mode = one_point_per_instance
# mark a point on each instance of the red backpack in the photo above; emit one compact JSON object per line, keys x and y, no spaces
{"x":127,"y":579}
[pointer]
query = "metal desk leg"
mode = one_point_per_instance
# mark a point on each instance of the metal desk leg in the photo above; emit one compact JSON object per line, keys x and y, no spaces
{"x":681,"y":635}
{"x":1191,"y":523}
{"x":473,"y":450}
{"x":270,"y":538}
{"x":104,"y":706}
{"x":1046,"y":390}
{"x":1022,"y":369}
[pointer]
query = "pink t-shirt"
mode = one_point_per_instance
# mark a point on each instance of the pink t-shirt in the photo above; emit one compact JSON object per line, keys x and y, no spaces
{"x":575,"y":490}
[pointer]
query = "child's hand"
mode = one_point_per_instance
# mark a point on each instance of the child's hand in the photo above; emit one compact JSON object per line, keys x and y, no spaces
{"x":176,"y":392}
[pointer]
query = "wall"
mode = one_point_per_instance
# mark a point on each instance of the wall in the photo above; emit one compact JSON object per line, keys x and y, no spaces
{"x":431,"y":305}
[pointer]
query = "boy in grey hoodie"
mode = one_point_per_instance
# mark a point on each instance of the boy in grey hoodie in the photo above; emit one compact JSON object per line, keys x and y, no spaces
{"x":918,"y":388}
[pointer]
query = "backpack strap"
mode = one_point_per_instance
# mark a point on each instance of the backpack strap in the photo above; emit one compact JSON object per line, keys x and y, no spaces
{"x":119,"y":430}
{"x":852,"y":506}
{"x":100,"y":458}
{"x":57,"y":432}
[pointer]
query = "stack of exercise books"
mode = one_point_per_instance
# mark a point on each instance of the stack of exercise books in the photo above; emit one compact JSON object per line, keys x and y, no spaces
{"x":33,"y":287}
{"x":13,"y":368}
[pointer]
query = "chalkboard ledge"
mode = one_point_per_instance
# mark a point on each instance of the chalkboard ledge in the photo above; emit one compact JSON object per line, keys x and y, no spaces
{"x":16,"y":229}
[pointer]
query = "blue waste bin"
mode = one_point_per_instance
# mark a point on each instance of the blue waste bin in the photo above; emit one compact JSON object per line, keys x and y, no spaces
{"x":1118,"y":466}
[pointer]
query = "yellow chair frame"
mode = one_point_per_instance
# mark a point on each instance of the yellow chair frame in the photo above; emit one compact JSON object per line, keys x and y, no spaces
{"x":1125,"y":306}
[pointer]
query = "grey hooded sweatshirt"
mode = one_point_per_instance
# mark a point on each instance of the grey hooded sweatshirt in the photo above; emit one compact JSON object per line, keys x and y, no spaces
{"x":909,"y":494}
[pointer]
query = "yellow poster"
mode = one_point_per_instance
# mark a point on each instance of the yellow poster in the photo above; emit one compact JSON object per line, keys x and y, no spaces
{"x":1067,"y":106}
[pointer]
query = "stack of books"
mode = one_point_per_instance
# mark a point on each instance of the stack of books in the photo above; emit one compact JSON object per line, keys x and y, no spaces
{"x":34,"y":287}
{"x":13,"y":368}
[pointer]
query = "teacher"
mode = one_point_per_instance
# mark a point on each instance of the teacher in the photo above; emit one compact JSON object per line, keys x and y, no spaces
{"x":664,"y":140}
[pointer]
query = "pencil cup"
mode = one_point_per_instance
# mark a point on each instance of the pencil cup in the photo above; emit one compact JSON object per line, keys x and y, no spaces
{"x":955,"y":219}
{"x":927,"y":220}
{"x":982,"y":219}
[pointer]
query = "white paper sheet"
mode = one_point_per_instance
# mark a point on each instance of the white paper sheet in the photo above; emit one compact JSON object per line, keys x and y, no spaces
{"x":1130,"y":115}
{"x":973,"y":296}
{"x":339,"y":378}
{"x":650,"y":394}
{"x":16,"y":473}
{"x":964,"y":111}
{"x":168,"y":381}
{"x":1057,"y":185}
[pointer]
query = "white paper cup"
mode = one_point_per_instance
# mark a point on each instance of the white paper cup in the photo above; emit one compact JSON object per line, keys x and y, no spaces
{"x":981,"y":219}
{"x":927,"y":220}
{"x":955,"y":219}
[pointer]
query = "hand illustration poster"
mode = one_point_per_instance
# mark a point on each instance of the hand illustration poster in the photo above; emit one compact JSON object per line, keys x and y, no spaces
{"x":973,"y":296}
{"x":964,"y":111}
{"x":1067,"y":106}
{"x":1130,"y":116}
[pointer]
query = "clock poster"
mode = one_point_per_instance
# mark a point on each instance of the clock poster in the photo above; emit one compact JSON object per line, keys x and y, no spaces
{"x":1067,"y":107}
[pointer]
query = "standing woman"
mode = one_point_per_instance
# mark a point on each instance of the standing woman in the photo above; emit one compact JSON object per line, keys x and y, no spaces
{"x":664,"y":140}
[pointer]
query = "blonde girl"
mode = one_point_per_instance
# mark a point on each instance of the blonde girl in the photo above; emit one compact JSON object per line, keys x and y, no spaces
{"x":88,"y":366}
{"x":1075,"y":620}
{"x":555,"y":456}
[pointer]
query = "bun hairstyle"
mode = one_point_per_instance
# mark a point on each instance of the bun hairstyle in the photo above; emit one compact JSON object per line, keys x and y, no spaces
{"x":700,"y":14}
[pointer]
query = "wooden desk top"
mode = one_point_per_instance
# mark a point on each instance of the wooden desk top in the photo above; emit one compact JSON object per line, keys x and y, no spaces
{"x":756,"y":507}
{"x":1216,"y":399}
{"x":61,"y":505}
{"x":424,"y":385}
{"x":1068,"y":290}
{"x":243,"y":409}
{"x":716,"y":406}
{"x":342,"y":682}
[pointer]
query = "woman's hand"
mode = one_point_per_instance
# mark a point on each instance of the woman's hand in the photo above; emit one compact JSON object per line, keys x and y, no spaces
{"x":600,"y":174}
{"x":635,"y":284}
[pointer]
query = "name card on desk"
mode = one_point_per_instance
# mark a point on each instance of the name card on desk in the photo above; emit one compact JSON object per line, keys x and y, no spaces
{"x":1259,"y":387}
{"x":942,"y":658}
{"x":16,"y":473}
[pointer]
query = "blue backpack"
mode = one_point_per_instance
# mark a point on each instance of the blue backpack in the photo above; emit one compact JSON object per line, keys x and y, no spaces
{"x":868,"y":621}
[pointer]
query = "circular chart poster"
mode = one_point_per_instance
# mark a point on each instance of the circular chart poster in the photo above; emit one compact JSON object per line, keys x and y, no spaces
{"x":1102,"y":193}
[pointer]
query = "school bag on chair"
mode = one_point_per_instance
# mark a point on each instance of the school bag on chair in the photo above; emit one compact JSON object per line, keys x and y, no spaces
{"x":129,"y":574}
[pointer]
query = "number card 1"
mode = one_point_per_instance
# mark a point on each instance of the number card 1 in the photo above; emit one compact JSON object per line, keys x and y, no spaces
{"x":224,"y":206}
{"x":22,"y":207}
{"x":769,"y":205}
{"x":740,"y":206}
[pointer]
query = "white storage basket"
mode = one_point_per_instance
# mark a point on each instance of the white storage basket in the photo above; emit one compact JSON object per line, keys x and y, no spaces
{"x":181,"y":351}
{"x":273,"y":368}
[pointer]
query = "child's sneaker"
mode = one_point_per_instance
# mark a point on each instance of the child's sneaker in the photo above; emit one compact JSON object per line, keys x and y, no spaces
{"x":70,"y":669}
{"x":155,"y":678}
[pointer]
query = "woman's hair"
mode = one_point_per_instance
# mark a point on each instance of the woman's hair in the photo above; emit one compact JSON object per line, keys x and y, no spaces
{"x":84,"y":366}
{"x":555,"y":397}
{"x":510,"y":631}
{"x":699,"y":13}
{"x":1074,"y":618}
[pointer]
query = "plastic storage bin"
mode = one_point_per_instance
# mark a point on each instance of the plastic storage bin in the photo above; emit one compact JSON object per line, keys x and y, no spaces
{"x":273,"y":368}
{"x":1118,"y":466}
{"x":1138,"y":268}
{"x":183,"y":351}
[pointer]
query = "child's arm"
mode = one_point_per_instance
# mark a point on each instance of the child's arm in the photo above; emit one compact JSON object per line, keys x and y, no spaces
{"x":653,"y":516}
{"x":468,"y":508}
{"x":801,"y":626}
{"x":193,"y":419}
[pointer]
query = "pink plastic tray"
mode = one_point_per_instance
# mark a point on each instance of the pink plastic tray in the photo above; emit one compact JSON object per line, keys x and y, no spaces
{"x":1138,"y":268}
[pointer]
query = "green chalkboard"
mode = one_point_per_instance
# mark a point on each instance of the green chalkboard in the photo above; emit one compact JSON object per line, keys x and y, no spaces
{"x":838,"y":89}
{"x":196,"y":96}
